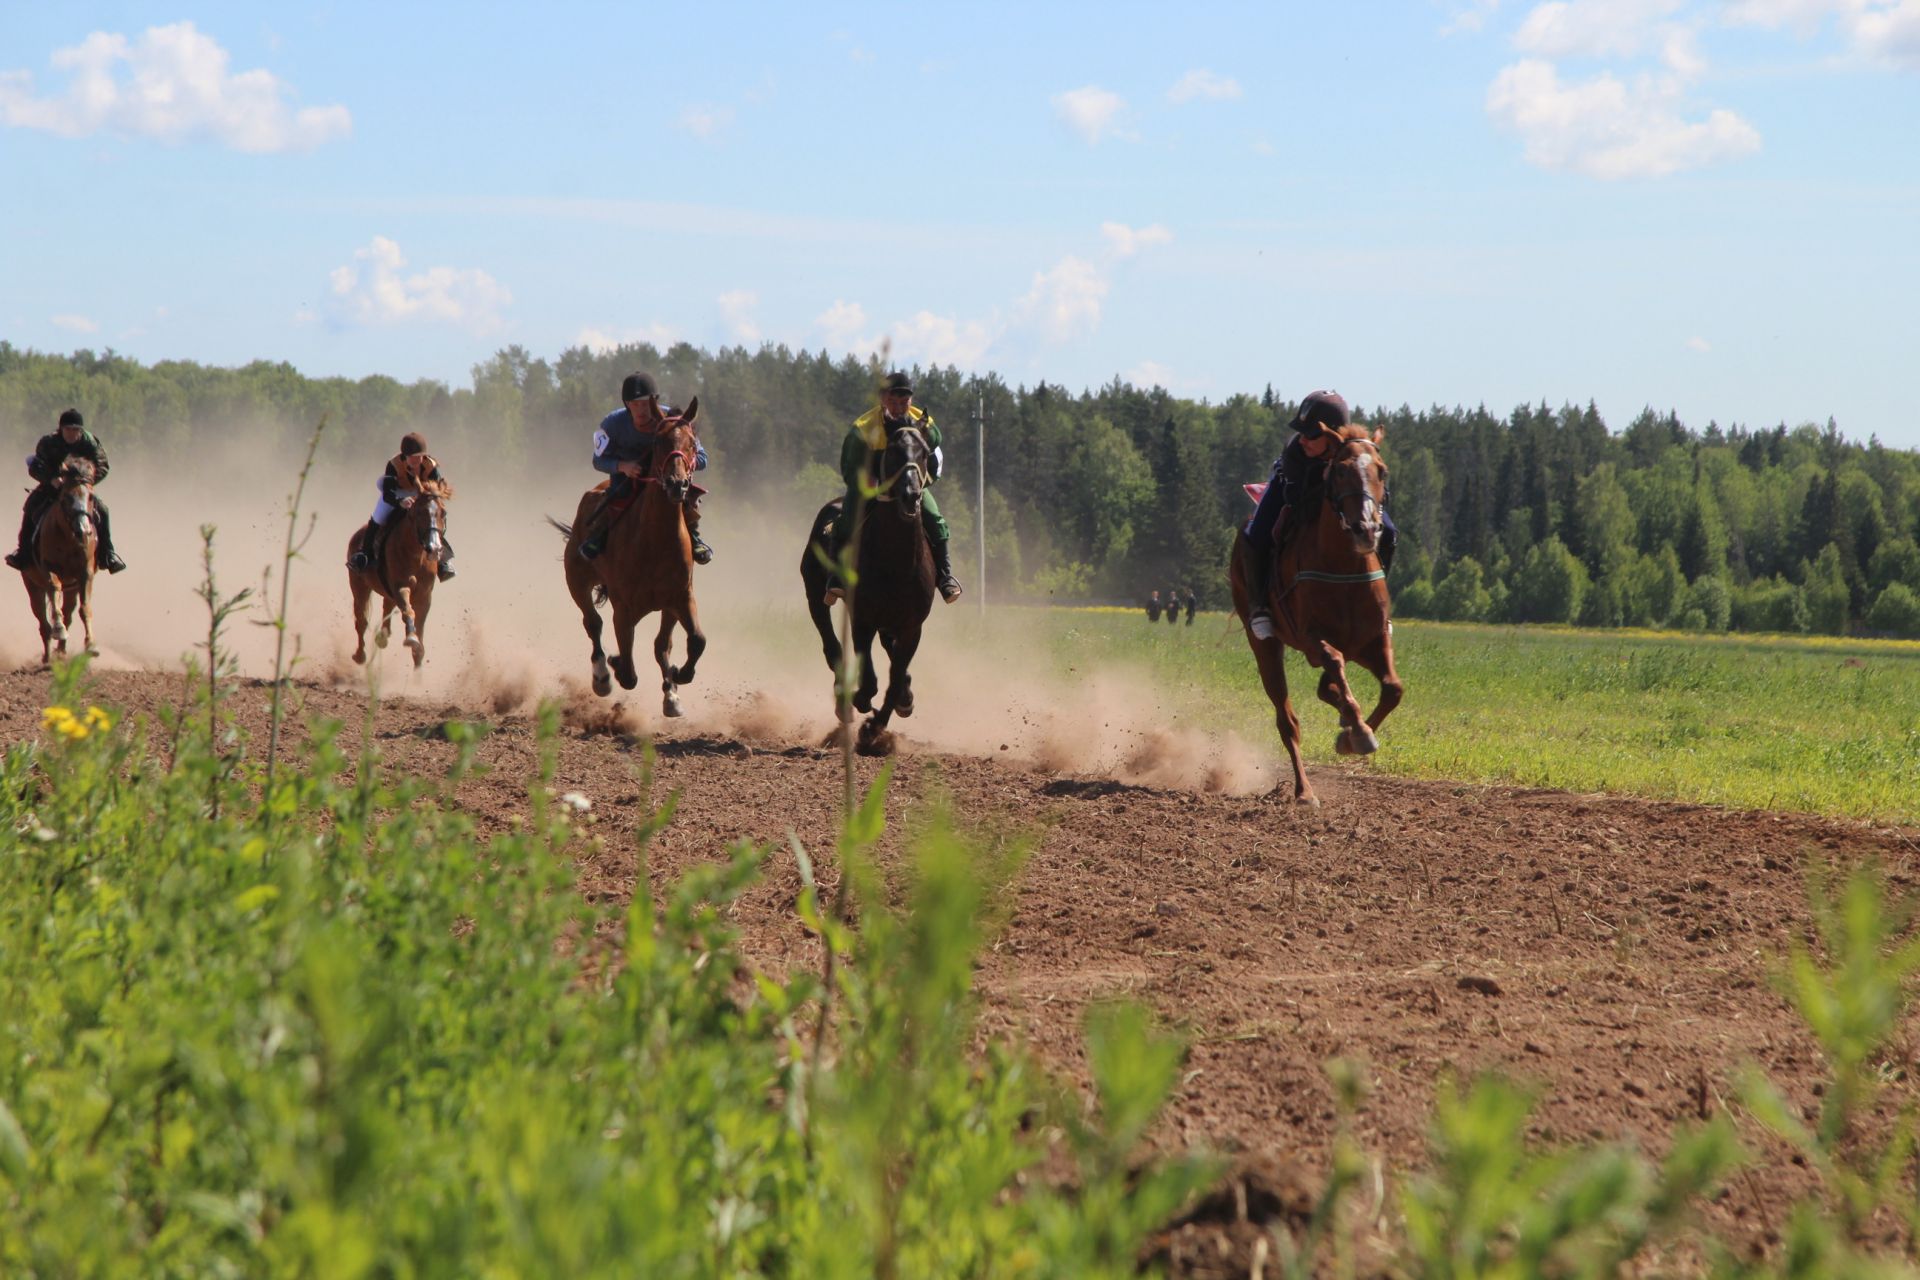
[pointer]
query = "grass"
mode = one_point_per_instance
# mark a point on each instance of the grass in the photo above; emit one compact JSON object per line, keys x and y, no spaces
{"x":1817,"y":724}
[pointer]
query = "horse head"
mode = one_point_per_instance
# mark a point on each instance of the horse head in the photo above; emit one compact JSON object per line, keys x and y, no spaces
{"x":430,"y":513}
{"x":903,"y":469}
{"x":1357,"y":486}
{"x":75,"y":486}
{"x":675,"y":452}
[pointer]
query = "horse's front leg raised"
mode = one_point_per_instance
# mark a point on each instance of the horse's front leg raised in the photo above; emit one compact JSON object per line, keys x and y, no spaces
{"x":1378,"y":659}
{"x":420,"y":599}
{"x":1355,"y":737}
{"x":663,"y":655}
{"x":624,"y":621}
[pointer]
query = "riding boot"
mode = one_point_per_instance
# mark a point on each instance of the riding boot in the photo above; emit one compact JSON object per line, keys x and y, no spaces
{"x":21,"y":558}
{"x":702,"y":553}
{"x":1258,"y":559}
{"x":446,"y":559}
{"x":362,"y":560}
{"x":943,"y":570}
{"x":1389,"y":538}
{"x":593,"y":539}
{"x":104,"y":556}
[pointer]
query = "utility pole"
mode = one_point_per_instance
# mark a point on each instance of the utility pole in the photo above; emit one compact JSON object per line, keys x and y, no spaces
{"x":980,"y":490}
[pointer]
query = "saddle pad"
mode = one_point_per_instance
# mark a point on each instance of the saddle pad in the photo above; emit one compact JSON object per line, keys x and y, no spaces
{"x":1256,"y":491}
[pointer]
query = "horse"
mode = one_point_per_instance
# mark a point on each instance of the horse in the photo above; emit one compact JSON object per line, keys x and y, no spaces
{"x":895,"y":588}
{"x":1328,"y":597}
{"x":64,"y":547}
{"x":647,"y":566}
{"x":407,"y":569}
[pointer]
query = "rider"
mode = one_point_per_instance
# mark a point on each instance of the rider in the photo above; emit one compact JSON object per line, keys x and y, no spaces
{"x":859,"y":456}
{"x":405,"y":470}
{"x":1302,"y":465}
{"x":622,"y":448}
{"x":71,"y":440}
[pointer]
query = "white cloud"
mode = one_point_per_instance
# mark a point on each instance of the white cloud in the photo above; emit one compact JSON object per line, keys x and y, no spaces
{"x":1261,"y":147}
{"x":380,"y":293}
{"x":173,"y":84}
{"x":1607,"y":129}
{"x":1064,"y":302}
{"x":736,"y":308}
{"x":1125,"y":241}
{"x":1470,"y":18}
{"x":1150,"y":374}
{"x":1089,"y":110}
{"x":1699,"y":344}
{"x":1592,"y":28}
{"x":926,"y":338}
{"x":76,"y":324}
{"x":842,"y":323}
{"x":705,"y":122}
{"x":1202,"y":83}
{"x":1885,"y":30}
{"x":601,"y":341}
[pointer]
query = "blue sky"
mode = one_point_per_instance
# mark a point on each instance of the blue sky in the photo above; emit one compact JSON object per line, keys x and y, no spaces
{"x":1708,"y":207}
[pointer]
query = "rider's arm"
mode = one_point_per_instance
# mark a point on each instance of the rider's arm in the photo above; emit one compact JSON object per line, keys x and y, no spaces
{"x":603,"y":459}
{"x":699,"y":456}
{"x":46,"y":459}
{"x":99,"y":460}
{"x":390,"y":485}
{"x":853,"y":458}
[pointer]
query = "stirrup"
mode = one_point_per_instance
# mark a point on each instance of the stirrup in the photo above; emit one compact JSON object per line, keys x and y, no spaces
{"x":950,"y":589}
{"x":444,"y":572}
{"x":702,"y":553}
{"x":835,"y":594}
{"x":1260,"y":623}
{"x":17,"y":560}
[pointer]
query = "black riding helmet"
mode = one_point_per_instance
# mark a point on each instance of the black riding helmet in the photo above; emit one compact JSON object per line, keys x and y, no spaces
{"x":1322,"y":411}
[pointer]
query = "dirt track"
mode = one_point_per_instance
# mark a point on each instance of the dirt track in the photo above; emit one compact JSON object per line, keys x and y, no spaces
{"x":1613,"y":951}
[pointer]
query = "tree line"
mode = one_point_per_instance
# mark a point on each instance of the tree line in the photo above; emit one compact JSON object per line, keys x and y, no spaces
{"x":1541,"y":515}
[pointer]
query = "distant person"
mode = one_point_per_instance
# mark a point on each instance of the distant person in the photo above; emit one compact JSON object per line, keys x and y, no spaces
{"x":1173,"y":605}
{"x":622,"y":449}
{"x":399,"y":486}
{"x":69,"y":440}
{"x":1300,"y":469}
{"x":1153,"y":607}
{"x":1191,"y":605}
{"x":860,"y":453}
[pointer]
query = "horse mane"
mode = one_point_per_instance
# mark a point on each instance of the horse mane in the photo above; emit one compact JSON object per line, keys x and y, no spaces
{"x":440,"y":489}
{"x":79,"y":467}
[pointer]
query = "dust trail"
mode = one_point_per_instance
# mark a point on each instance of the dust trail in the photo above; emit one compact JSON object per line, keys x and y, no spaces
{"x":504,"y":634}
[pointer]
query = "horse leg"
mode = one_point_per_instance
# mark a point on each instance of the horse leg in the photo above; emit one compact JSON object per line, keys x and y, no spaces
{"x":1378,"y":659}
{"x":580,"y":587}
{"x":900,"y":651}
{"x":361,"y":594}
{"x":421,"y":598}
{"x":1272,"y":661}
{"x":689,"y":618}
{"x":869,"y":684}
{"x":86,"y":610}
{"x":1355,"y":738}
{"x":663,"y":655}
{"x":385,"y":632}
{"x":37,"y":598}
{"x":624,"y":621}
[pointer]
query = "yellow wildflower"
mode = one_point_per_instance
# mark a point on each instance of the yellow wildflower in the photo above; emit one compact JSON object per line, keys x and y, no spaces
{"x":98,"y":719}
{"x":63,"y":722}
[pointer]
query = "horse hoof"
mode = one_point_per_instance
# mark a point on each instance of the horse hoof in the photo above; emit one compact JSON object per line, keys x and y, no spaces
{"x":1307,"y":799}
{"x":670,"y":708}
{"x":681,"y":676}
{"x":627,"y":679}
{"x":1343,"y":743}
{"x":602,"y":685}
{"x":903,"y":708}
{"x":863,"y":703}
{"x":380,"y":639}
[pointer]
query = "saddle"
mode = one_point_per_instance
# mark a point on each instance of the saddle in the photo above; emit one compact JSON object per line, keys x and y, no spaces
{"x":1299,"y":516}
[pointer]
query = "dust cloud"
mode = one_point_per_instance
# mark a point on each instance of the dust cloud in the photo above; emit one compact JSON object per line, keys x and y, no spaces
{"x":505,"y":635}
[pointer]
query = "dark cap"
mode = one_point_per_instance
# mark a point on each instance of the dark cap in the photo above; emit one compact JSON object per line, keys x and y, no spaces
{"x":897,"y":381}
{"x":71,"y":418}
{"x":1322,"y":411}
{"x":638,"y":386}
{"x":411,"y":443}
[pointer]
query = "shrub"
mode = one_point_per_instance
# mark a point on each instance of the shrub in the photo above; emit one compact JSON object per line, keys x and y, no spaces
{"x":1896,"y":611}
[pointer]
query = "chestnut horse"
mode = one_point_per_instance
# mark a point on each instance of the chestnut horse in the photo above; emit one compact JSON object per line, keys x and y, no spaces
{"x":409,"y":566}
{"x":1328,"y":597}
{"x":64,"y":546}
{"x":647,"y":566}
{"x":894,"y":588}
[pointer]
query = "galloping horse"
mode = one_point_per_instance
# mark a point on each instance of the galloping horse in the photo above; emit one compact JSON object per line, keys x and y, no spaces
{"x":408,"y":567}
{"x":1329,"y":600}
{"x":647,"y":566}
{"x":63,"y":562}
{"x":895,"y":588}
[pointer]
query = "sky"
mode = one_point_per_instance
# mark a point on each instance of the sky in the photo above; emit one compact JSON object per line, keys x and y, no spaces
{"x":1705,"y":207}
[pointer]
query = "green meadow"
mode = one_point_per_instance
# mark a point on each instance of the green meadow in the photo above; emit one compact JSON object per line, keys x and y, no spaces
{"x":1820,"y":724}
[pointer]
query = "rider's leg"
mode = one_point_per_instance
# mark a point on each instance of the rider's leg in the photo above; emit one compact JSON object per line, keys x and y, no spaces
{"x":837,"y":541}
{"x":702,"y":553}
{"x":1258,"y":557}
{"x":104,"y":556}
{"x":937,"y":535}
{"x":595,"y":539}
{"x":21,"y":557}
{"x":446,"y":558}
{"x":1389,"y":538}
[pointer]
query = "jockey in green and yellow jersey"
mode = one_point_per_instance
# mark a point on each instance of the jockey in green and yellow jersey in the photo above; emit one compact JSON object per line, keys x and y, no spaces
{"x":860,"y":456}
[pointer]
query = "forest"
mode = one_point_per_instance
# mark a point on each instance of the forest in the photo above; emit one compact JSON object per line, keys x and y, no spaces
{"x":1540,"y":515}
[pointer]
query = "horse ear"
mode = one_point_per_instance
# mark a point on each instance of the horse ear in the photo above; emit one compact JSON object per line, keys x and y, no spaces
{"x":691,"y":412}
{"x":1379,"y":434}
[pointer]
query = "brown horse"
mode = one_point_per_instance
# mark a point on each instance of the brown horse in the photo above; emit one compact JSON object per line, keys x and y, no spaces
{"x":408,"y":567}
{"x":1328,"y":597}
{"x":895,"y":583}
{"x":647,"y":566}
{"x":64,"y":547}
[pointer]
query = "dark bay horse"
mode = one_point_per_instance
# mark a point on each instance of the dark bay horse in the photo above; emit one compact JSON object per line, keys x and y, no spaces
{"x":409,"y":566}
{"x":1329,"y":600}
{"x":63,"y":562}
{"x":894,"y":588}
{"x":647,"y":566}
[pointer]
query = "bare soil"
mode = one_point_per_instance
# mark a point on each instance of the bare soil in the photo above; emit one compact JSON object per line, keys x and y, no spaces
{"x":1615,"y":953}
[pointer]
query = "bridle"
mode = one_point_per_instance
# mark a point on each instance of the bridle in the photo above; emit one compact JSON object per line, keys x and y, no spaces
{"x":913,"y":466}
{"x":660,"y":470}
{"x":1369,"y":505}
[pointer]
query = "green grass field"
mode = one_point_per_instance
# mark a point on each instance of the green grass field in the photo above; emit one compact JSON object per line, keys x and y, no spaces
{"x":1824,"y":725}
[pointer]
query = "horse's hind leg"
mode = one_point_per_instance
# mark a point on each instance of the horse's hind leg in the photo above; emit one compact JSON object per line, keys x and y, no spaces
{"x":1355,"y":737}
{"x":361,"y":594}
{"x":41,"y":611}
{"x":580,"y":587}
{"x":663,"y":655}
{"x":86,"y":612}
{"x":385,"y":632}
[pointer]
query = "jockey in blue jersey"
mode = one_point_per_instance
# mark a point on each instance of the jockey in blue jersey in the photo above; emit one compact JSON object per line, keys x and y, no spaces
{"x":622,"y":449}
